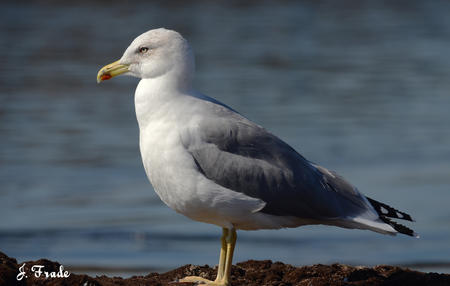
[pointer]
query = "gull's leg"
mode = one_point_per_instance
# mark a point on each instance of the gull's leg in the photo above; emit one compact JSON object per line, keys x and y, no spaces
{"x":231,"y":242}
{"x":221,"y":279}
{"x":223,"y":254}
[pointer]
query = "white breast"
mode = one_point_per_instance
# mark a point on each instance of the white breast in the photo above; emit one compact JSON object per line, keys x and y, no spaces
{"x":167,"y":164}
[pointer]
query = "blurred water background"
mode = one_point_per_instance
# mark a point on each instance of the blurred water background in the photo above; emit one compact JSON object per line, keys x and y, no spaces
{"x":360,"y":87}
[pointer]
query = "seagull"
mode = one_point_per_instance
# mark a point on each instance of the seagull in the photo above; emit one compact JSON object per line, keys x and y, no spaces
{"x":210,"y":163}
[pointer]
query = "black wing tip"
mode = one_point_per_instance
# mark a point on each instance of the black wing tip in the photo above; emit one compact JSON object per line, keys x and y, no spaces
{"x":399,"y":227}
{"x":384,"y":210}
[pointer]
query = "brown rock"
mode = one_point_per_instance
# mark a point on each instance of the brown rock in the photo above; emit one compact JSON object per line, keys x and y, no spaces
{"x":251,"y":273}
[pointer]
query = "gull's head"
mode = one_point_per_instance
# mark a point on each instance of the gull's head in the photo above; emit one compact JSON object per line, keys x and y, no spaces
{"x":153,"y":54}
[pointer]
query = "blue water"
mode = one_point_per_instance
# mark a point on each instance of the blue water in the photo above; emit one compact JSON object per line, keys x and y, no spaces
{"x":359,"y":88}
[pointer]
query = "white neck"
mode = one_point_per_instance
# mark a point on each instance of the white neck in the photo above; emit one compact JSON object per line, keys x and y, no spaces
{"x":152,"y":93}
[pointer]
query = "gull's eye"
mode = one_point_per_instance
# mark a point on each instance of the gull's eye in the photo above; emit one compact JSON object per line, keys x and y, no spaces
{"x":143,"y":50}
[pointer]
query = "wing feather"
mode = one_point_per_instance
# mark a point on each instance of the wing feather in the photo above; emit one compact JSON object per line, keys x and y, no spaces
{"x":242,"y":156}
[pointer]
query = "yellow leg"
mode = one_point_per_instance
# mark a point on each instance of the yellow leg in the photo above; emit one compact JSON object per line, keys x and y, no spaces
{"x":225,"y":261}
{"x":231,"y":242}
{"x":223,"y":254}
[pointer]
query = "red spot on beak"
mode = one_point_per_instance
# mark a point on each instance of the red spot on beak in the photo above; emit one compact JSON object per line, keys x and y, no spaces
{"x":105,"y":76}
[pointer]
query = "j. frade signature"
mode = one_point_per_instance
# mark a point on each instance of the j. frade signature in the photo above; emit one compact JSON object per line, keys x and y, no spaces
{"x":39,"y":271}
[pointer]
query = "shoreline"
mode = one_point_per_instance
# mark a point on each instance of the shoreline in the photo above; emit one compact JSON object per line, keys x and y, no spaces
{"x":250,"y":273}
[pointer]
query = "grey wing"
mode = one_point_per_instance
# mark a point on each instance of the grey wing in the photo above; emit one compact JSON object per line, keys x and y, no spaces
{"x":244,"y":157}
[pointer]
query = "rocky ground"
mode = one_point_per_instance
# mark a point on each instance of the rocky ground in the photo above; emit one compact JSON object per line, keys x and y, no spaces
{"x":246,"y":273}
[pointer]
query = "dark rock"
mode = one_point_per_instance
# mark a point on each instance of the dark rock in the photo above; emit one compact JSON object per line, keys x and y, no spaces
{"x":250,"y":273}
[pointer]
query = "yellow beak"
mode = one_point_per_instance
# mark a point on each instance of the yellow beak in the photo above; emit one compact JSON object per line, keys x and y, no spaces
{"x":111,"y":70}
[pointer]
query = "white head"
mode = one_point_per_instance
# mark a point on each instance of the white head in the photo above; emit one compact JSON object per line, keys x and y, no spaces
{"x":154,"y":54}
